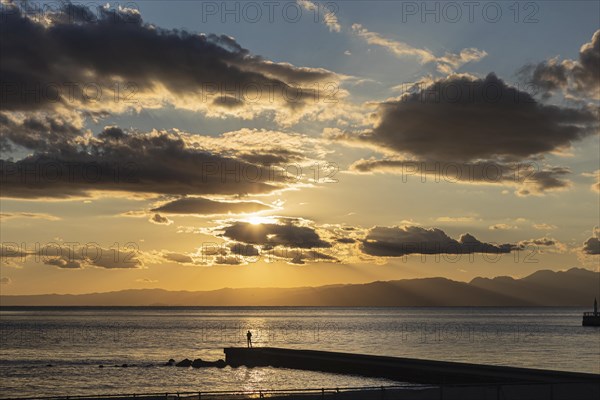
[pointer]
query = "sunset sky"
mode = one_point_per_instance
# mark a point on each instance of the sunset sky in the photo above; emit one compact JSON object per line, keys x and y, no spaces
{"x":192,"y":145}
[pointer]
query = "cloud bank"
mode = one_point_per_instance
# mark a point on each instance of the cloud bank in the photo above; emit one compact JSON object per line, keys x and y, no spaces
{"x":474,"y":130}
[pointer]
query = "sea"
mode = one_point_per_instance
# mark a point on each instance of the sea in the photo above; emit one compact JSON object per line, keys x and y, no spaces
{"x":57,"y":351}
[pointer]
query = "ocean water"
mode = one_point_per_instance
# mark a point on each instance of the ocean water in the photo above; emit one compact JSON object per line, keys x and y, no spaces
{"x":75,"y":341}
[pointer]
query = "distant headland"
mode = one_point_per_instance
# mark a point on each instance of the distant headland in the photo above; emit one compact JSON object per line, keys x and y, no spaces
{"x":574,"y":287}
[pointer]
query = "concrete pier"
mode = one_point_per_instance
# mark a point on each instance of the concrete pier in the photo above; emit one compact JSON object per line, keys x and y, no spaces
{"x":400,"y":369}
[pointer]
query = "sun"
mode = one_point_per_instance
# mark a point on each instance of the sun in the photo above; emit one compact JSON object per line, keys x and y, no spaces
{"x":257,"y":220}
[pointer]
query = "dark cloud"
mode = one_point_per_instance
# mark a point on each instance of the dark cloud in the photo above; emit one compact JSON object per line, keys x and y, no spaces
{"x":76,"y":48}
{"x":228,"y":102}
{"x":275,"y":156}
{"x":203,"y":206}
{"x":64,"y":263}
{"x":530,"y":177}
{"x":112,"y":133}
{"x":246,"y":250}
{"x":548,"y":179}
{"x":39,"y":132}
{"x":76,"y":255}
{"x":293,"y":240}
{"x":464,"y":129}
{"x":546,"y":77}
{"x":586,"y":73}
{"x":592,"y":245}
{"x":301,"y":256}
{"x":160,"y":220}
{"x":91,"y":256}
{"x":287,"y":72}
{"x":244,"y":253}
{"x":285,"y":233}
{"x":10,"y":251}
{"x":178,"y":258}
{"x":460,"y":119}
{"x":400,"y":241}
{"x":14,"y":215}
{"x":579,"y":78}
{"x":228,"y":260}
{"x":542,"y":245}
{"x":539,"y":242}
{"x":156,"y":162}
{"x":213,"y":249}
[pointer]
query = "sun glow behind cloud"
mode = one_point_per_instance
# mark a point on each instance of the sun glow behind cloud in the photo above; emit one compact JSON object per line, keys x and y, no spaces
{"x":258,"y":220}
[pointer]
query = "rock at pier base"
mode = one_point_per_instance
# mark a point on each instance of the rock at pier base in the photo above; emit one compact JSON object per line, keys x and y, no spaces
{"x":184,"y":363}
{"x":200,"y":363}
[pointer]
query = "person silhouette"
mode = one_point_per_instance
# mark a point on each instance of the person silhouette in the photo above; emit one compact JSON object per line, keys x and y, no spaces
{"x":249,"y":337}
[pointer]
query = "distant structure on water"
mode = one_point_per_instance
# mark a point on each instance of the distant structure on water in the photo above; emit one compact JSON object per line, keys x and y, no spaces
{"x":592,"y":318}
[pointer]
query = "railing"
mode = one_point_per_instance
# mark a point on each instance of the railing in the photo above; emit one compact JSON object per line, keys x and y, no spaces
{"x":229,"y":393}
{"x":503,"y":391}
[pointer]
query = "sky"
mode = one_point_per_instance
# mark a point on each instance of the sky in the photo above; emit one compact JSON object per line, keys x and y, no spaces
{"x":196,"y":145}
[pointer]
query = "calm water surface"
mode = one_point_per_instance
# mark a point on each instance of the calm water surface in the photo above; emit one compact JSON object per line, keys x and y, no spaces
{"x":75,"y":341}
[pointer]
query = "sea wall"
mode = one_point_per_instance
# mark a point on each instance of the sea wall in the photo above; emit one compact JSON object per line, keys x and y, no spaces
{"x":397,"y":368}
